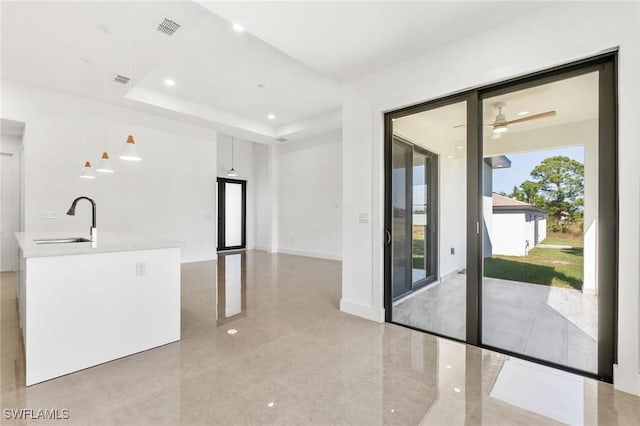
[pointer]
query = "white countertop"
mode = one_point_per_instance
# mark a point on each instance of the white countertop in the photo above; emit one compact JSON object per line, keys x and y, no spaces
{"x":106,"y":242}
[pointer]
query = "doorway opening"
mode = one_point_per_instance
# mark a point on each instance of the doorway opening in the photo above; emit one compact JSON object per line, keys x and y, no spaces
{"x":232,"y":214}
{"x":12,"y":184}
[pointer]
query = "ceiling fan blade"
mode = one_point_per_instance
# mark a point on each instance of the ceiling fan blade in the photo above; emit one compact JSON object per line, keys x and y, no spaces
{"x":547,"y":114}
{"x":464,"y":125}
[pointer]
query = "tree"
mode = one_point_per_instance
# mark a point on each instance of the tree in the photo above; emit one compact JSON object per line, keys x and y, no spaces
{"x":559,"y":183}
{"x":528,"y":192}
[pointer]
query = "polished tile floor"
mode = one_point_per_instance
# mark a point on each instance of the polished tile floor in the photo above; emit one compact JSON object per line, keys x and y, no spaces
{"x":559,"y":325}
{"x":296,"y":360}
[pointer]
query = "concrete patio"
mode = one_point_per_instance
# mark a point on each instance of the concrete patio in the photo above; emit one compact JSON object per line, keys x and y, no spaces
{"x":550,"y":323}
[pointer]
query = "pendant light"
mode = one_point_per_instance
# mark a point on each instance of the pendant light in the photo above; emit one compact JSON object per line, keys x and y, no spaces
{"x":105,"y":163}
{"x":130,"y":151}
{"x":87,"y":172}
{"x":232,"y":172}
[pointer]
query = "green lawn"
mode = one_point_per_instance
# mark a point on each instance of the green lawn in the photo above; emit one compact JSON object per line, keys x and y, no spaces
{"x":554,"y":267}
{"x":563,"y":242}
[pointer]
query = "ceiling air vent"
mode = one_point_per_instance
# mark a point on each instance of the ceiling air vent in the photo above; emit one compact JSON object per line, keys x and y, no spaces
{"x":121,"y":79}
{"x":281,"y":140}
{"x":168,"y":26}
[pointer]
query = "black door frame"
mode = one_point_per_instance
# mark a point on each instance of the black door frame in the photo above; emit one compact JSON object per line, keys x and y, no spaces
{"x":607,"y":248}
{"x":221,"y":213}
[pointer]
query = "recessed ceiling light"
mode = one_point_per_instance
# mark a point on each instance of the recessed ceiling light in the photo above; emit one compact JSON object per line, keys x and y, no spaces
{"x":448,"y":366}
{"x":232,"y":331}
{"x":460,"y":147}
{"x":450,"y":156}
{"x":456,"y":390}
{"x":271,"y":404}
{"x":237,"y":27}
{"x":271,"y":116}
{"x":523,"y":113}
{"x":169,"y":82}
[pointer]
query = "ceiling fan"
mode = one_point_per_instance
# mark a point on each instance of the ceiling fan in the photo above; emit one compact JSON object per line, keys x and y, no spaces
{"x":501,"y":124}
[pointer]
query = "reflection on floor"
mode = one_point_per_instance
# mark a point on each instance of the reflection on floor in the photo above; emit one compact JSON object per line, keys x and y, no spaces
{"x":550,"y":323}
{"x":297,"y":360}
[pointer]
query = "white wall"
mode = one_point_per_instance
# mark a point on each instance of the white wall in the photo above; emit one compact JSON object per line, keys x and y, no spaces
{"x":9,"y":199}
{"x":550,"y":36}
{"x":510,"y":232}
{"x":310,"y":197}
{"x":250,"y":161}
{"x":169,"y":194}
{"x":262,"y":195}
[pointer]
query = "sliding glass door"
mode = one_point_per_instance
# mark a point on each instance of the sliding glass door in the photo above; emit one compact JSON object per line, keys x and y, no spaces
{"x":428,"y":190}
{"x":501,"y":217}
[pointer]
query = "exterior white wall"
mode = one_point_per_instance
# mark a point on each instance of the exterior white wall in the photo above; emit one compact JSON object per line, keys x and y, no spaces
{"x":169,"y":194}
{"x":510,"y":231}
{"x":542,"y":230}
{"x":9,"y":200}
{"x":545,"y":38}
{"x":310,"y":197}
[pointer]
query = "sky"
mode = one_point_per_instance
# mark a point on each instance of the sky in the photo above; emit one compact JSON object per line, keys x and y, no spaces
{"x":521,"y":165}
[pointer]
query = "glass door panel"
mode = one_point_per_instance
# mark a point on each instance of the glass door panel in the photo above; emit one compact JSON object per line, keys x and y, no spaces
{"x":428,"y":194}
{"x":540,"y":208}
{"x":232,"y":215}
{"x":401,"y":220}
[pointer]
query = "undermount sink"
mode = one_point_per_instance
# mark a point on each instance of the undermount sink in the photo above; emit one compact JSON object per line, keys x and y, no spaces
{"x":62,"y":240}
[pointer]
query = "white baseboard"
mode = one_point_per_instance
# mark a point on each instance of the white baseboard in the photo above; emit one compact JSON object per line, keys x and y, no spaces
{"x":321,"y":255}
{"x":362,"y":311}
{"x":198,"y":258}
{"x":626,"y":381}
{"x":261,"y":248}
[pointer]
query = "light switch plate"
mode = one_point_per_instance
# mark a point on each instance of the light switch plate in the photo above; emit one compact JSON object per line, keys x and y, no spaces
{"x":363,"y":217}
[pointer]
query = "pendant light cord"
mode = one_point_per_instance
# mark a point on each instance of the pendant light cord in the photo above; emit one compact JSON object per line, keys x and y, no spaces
{"x":88,"y":109}
{"x":104,"y":94}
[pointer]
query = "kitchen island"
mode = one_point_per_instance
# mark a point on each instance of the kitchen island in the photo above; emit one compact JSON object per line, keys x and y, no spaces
{"x":85,"y":303}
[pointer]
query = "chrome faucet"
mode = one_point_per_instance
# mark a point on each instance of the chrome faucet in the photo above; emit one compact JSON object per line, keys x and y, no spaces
{"x":93,"y":232}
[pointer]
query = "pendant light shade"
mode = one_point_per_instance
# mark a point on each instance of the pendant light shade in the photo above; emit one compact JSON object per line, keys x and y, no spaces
{"x":87,"y":171}
{"x":130,"y":151}
{"x":105,"y":164}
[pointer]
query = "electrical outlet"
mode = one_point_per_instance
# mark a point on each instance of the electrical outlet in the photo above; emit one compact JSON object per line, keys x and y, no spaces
{"x":453,"y":250}
{"x":141,"y":269}
{"x":49,"y":214}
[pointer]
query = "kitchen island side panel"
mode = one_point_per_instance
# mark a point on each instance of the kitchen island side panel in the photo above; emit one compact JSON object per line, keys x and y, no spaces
{"x":84,"y":310}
